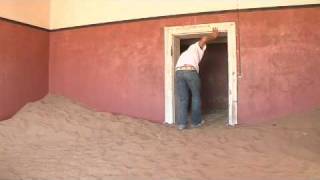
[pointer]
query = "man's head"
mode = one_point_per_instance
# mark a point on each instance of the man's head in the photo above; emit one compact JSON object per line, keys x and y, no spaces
{"x":204,"y":40}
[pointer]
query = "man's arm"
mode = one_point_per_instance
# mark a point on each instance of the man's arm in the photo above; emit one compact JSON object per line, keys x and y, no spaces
{"x":209,"y":38}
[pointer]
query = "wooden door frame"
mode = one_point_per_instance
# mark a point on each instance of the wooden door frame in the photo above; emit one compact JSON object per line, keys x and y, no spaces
{"x":172,"y":37}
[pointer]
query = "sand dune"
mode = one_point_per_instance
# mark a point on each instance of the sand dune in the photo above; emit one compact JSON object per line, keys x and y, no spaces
{"x":56,"y":139}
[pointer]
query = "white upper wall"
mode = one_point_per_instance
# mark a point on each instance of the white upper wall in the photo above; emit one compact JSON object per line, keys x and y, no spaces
{"x":34,"y":12}
{"x":55,"y":14}
{"x":246,"y":4}
{"x":68,"y":13}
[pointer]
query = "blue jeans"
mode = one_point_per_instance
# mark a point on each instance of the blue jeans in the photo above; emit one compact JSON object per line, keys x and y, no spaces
{"x":188,"y":81}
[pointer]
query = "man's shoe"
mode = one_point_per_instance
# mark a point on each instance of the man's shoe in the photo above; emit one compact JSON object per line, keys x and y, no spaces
{"x":181,"y":126}
{"x":197,"y":125}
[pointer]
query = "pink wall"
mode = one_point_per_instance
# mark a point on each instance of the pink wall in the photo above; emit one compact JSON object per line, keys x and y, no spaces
{"x":117,"y":67}
{"x":120,"y":67}
{"x":280,"y":63}
{"x":23,"y":66}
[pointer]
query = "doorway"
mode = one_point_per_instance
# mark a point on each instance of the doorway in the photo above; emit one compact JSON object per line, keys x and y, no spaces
{"x":218,"y":70}
{"x":214,"y":78}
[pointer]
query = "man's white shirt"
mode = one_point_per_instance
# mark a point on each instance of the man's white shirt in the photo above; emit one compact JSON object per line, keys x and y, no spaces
{"x":192,"y":56}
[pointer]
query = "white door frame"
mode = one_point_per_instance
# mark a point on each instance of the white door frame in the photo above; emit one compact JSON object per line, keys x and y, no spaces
{"x":172,"y":35}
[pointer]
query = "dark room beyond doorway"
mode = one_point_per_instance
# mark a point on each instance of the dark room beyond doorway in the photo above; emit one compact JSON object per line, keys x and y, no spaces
{"x":214,"y":78}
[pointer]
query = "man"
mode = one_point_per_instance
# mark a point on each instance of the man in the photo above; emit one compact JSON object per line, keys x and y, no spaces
{"x":187,"y":78}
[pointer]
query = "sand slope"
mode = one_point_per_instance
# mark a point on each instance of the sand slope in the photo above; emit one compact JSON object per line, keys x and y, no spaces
{"x":56,"y":139}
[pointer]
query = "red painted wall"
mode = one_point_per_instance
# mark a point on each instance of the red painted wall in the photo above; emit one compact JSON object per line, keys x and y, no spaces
{"x":120,"y":67}
{"x":117,"y":67}
{"x":23,"y":66}
{"x":280,"y":63}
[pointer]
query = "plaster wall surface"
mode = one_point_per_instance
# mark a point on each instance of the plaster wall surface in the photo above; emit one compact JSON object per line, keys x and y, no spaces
{"x":120,"y":67}
{"x":24,"y":66}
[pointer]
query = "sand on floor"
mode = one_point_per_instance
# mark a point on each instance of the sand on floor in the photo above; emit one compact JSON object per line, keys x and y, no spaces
{"x":56,"y":139}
